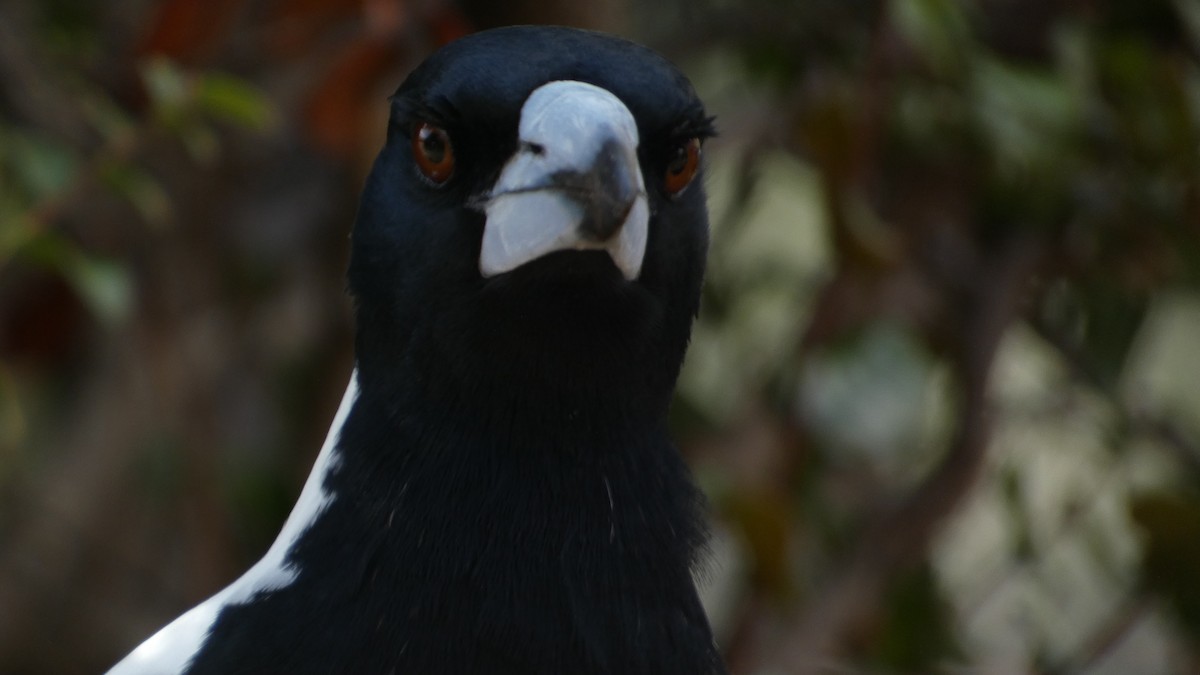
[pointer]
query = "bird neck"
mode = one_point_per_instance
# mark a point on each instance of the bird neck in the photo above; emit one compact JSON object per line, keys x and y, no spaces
{"x":508,"y":467}
{"x":531,"y":552}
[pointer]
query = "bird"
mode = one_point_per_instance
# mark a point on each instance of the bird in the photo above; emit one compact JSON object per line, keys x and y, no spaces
{"x":499,"y":491}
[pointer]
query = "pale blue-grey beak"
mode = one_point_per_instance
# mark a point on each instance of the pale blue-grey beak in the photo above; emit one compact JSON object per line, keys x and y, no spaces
{"x":573,"y":184}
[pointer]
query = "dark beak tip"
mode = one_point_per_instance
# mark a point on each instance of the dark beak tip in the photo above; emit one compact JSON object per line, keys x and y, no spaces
{"x":611,"y":194}
{"x":604,"y":217}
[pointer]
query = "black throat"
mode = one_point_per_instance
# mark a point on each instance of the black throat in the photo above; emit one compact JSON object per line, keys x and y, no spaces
{"x":507,"y":500}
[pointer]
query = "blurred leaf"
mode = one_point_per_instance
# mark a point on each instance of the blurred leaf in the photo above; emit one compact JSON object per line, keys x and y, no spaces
{"x":1096,"y":322}
{"x":1149,"y":106}
{"x":938,"y":30}
{"x":1189,"y":12}
{"x":868,"y":396}
{"x":166,"y":85}
{"x":107,"y":117}
{"x":16,"y":231}
{"x":1159,"y":379}
{"x":771,"y":61}
{"x":918,"y":629}
{"x":234,"y":100}
{"x":183,"y":102}
{"x":201,"y":142}
{"x":104,"y":286}
{"x":1030,"y":120}
{"x":1171,"y":552}
{"x":1012,"y":490}
{"x":42,"y":166}
{"x":1114,"y":317}
{"x":928,"y":120}
{"x":869,"y":239}
{"x":765,"y":522}
{"x":141,"y":190}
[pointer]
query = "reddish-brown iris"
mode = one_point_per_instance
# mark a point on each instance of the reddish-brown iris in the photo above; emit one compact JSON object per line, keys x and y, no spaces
{"x":433,"y":152}
{"x":683,"y":165}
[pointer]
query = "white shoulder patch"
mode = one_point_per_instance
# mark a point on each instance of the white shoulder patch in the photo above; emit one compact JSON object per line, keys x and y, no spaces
{"x":172,"y":648}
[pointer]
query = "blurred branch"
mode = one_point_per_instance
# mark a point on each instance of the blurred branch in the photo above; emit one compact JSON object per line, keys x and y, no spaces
{"x":899,"y":538}
{"x":1108,"y":636}
{"x":1150,"y":424}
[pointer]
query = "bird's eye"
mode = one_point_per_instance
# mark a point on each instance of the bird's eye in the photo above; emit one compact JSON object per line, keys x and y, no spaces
{"x":682,"y":166}
{"x":433,"y":152}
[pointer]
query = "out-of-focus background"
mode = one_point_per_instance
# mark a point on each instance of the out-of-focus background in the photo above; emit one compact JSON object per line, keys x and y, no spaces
{"x":944,"y":393}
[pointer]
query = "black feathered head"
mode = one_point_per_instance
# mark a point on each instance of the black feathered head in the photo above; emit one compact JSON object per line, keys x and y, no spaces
{"x":535,"y":223}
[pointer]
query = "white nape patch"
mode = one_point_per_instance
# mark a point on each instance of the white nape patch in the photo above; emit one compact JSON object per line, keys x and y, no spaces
{"x":172,"y":648}
{"x":564,"y":125}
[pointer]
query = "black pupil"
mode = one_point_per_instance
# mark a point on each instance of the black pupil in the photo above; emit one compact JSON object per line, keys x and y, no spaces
{"x":433,"y":144}
{"x":679,"y":159}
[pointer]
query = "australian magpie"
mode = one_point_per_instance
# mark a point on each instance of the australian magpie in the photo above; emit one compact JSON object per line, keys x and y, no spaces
{"x":498,"y":492}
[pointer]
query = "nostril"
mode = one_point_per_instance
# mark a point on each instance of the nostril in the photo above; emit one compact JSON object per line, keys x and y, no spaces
{"x":535,"y":148}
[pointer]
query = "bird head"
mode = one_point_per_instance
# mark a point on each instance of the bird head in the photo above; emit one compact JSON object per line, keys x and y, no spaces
{"x":536,"y":220}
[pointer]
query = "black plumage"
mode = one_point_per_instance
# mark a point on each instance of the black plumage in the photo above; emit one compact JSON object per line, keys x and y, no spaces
{"x":506,"y":497}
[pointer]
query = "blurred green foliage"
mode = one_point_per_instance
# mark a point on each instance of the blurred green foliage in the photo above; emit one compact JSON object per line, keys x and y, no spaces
{"x":953,"y":175}
{"x":41,"y":174}
{"x":1171,"y":524}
